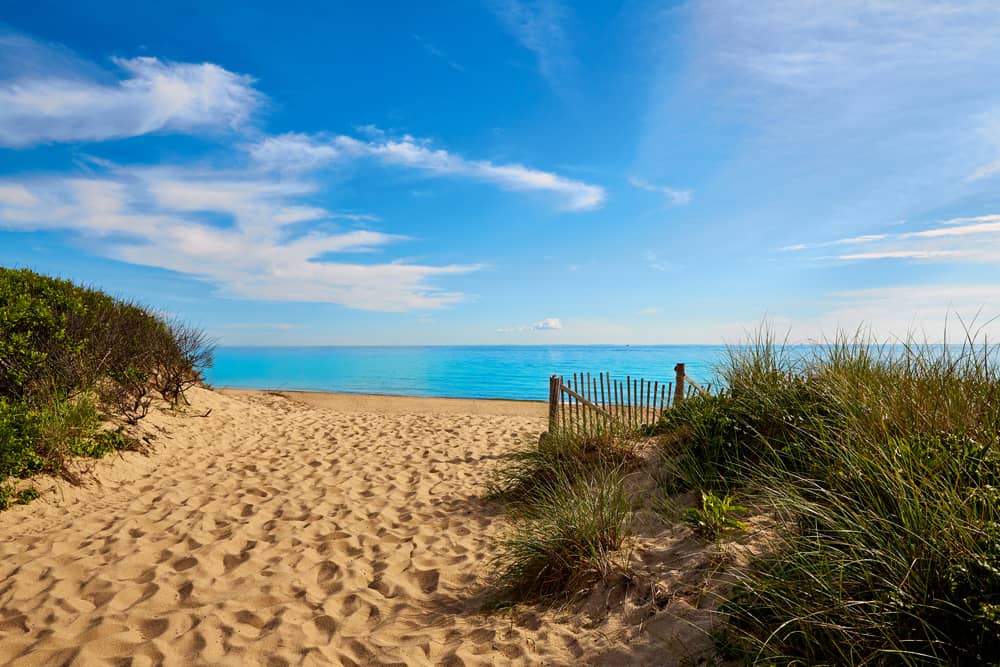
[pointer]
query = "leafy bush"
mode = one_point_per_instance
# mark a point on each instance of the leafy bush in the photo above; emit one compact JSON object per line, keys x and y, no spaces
{"x":19,"y":433}
{"x":61,"y":347}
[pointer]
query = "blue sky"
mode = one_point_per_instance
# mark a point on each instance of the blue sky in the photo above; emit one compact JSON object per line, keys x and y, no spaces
{"x":509,"y":171}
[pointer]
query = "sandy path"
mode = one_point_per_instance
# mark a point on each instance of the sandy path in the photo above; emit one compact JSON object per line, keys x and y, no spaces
{"x":275,"y":532}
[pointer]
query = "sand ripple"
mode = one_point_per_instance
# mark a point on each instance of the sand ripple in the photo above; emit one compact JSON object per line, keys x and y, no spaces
{"x":273,"y":532}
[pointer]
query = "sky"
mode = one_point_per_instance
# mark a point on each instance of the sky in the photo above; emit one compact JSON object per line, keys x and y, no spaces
{"x":509,"y":171}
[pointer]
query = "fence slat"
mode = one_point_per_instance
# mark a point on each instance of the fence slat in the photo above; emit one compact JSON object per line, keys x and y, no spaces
{"x":562,"y":402}
{"x":603,"y":403}
{"x":628,"y":401}
{"x":645,"y":416}
{"x":635,"y":410}
{"x":618,"y":399}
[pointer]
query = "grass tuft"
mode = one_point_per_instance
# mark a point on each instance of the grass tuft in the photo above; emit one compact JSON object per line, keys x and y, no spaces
{"x":573,"y":537}
{"x":559,"y":458}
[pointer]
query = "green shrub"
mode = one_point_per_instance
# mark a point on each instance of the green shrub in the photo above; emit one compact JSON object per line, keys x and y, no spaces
{"x":61,"y":347}
{"x":35,"y":314}
{"x":19,"y":433}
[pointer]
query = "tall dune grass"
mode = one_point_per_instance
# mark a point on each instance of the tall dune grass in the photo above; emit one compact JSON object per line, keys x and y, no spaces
{"x":884,"y":463}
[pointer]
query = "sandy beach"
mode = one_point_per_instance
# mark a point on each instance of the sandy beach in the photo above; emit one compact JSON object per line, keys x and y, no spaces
{"x":281,"y":528}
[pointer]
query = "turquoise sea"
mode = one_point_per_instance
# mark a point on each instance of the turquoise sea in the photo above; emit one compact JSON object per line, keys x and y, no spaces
{"x":514,"y":372}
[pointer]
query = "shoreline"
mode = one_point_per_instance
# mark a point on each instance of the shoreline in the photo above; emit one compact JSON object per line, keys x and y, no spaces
{"x":400,"y":404}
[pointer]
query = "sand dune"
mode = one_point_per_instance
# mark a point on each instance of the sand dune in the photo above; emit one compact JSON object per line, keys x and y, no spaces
{"x":277,"y":532}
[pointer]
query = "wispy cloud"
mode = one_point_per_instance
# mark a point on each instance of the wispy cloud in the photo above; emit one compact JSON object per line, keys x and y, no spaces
{"x":969,"y":239}
{"x":432,"y":48}
{"x":43,"y":103}
{"x":673,"y":196}
{"x":656,"y":262}
{"x":866,"y":238}
{"x":867,"y":110}
{"x":548,"y":324}
{"x":540,"y":27}
{"x":298,"y":152}
{"x":155,"y":217}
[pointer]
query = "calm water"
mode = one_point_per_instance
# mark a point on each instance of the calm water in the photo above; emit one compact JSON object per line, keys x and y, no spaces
{"x":518,"y":372}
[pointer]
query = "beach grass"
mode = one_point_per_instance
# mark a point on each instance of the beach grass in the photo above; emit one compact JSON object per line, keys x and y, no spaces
{"x":570,"y":514}
{"x":560,"y":458}
{"x":572,"y":537}
{"x":882,"y":464}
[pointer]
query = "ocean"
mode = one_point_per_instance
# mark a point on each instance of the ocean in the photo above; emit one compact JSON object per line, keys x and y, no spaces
{"x":511,"y":372}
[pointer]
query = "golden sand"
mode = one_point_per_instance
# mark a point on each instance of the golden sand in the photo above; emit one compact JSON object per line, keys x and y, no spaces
{"x":283,"y":529}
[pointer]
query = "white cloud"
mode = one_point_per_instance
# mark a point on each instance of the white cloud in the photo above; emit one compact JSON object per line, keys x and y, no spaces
{"x":986,"y":171}
{"x":652,"y":310}
{"x":292,"y":152}
{"x":865,"y":238}
{"x":151,"y":217}
{"x":815,"y":47}
{"x":297,"y":152}
{"x":673,"y":196}
{"x":658,"y":263}
{"x":63,"y":101}
{"x":959,"y":230}
{"x":16,"y":195}
{"x":548,"y":324}
{"x":922,"y":310}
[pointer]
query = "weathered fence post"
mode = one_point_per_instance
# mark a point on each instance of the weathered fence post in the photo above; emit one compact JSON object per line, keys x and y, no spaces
{"x":679,"y":384}
{"x":555,"y":389}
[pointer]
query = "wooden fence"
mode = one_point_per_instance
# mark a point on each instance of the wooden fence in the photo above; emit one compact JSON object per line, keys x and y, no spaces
{"x":585,"y":403}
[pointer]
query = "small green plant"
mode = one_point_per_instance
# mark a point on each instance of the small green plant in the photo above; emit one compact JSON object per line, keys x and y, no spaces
{"x":102,"y":443}
{"x":10,"y":496}
{"x":715,"y":516}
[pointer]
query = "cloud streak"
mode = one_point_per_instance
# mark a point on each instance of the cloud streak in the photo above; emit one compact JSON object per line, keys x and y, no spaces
{"x":432,"y":49}
{"x":298,"y":152}
{"x":970,"y":239}
{"x":672,"y":196}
